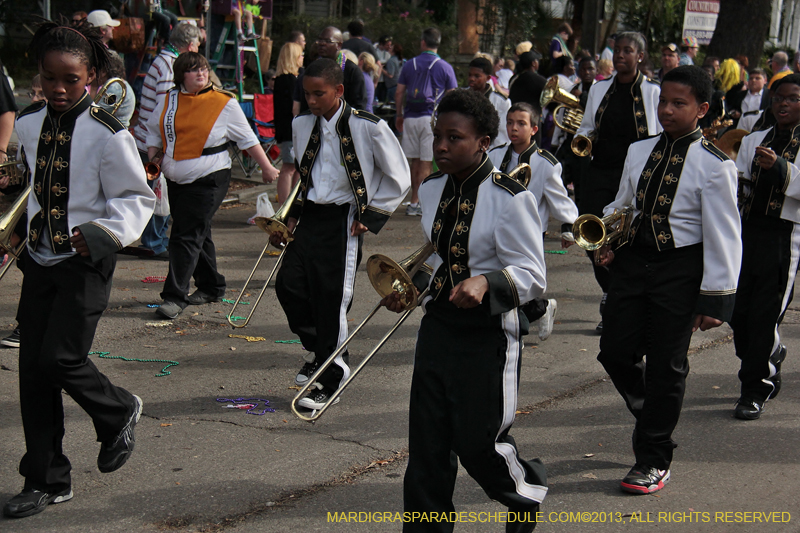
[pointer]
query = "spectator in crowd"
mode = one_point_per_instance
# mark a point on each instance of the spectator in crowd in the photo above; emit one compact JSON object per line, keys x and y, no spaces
{"x":392,"y":71}
{"x":290,"y":63}
{"x":524,"y":46}
{"x":101,"y":19}
{"x":527,"y":86}
{"x":367,"y":64}
{"x":297,"y":37}
{"x":712,"y":61}
{"x":780,"y":67}
{"x":269,"y":82}
{"x":689,"y":48}
{"x":113,"y":95}
{"x":670,"y":57}
{"x":608,"y":51}
{"x":480,"y":70}
{"x":78,"y":17}
{"x":756,"y":101}
{"x":559,"y":48}
{"x":384,"y":52}
{"x":357,"y":43}
{"x":505,"y":73}
{"x":605,"y":69}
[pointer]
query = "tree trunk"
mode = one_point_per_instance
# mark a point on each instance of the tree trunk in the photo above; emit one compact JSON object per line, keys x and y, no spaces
{"x":742,"y":28}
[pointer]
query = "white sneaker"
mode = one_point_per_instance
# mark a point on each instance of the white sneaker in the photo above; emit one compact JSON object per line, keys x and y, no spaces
{"x":414,"y":210}
{"x":547,"y":320}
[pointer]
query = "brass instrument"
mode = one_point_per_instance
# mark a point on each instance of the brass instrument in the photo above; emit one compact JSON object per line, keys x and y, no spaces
{"x":522,"y":174}
{"x":15,"y":170}
{"x":573,"y":112}
{"x":592,"y":232}
{"x":277,"y":223}
{"x":731,"y":141}
{"x":111,"y":99}
{"x":7,"y":224}
{"x":582,"y":144}
{"x":386,"y":276}
{"x":153,"y":168}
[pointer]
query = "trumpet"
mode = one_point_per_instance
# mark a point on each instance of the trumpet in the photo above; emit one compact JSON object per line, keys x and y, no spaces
{"x":582,"y":144}
{"x":277,"y":223}
{"x":153,"y":168}
{"x":573,"y":111}
{"x":386,"y":276}
{"x":592,"y":232}
{"x":111,"y":99}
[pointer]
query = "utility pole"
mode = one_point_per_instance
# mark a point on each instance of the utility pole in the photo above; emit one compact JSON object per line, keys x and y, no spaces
{"x":592,"y":15}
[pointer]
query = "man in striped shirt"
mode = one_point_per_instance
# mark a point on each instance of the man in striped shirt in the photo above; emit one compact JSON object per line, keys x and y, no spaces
{"x":185,"y":37}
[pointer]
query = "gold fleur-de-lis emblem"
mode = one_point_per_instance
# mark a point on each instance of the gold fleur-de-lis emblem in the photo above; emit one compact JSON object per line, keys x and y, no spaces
{"x":664,"y":200}
{"x":601,"y":109}
{"x":640,"y":195}
{"x":62,"y":138}
{"x":437,"y":283}
{"x":60,"y":164}
{"x":363,"y":208}
{"x":443,"y":204}
{"x":795,"y":141}
{"x":58,"y":189}
{"x":349,"y":157}
{"x":59,"y":237}
{"x":57,"y":213}
{"x":360,"y":191}
{"x":637,"y":99}
{"x":466,"y":206}
{"x":757,"y":160}
{"x":664,"y":237}
{"x":38,"y":188}
{"x":642,"y":128}
{"x":775,"y":204}
{"x":787,"y":154}
{"x":346,"y":141}
{"x":658,"y":218}
{"x":47,"y":137}
{"x":304,"y":171}
{"x":461,"y":228}
{"x":303,"y":187}
{"x":647,"y":173}
{"x":41,"y":162}
{"x":33,"y":235}
{"x":315,"y":138}
{"x":670,"y":178}
{"x":457,"y":250}
{"x":437,"y":226}
{"x":309,"y":153}
{"x":657,"y":156}
{"x":676,"y":159}
{"x":458,"y":268}
{"x":355,"y":174}
{"x":639,"y":114}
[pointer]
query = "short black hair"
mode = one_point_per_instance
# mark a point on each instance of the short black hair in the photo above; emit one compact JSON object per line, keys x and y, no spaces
{"x":693,"y":77}
{"x":432,"y":37}
{"x":356,"y":28}
{"x":633,"y":37}
{"x":759,"y":71}
{"x":474,"y":105}
{"x":81,"y":40}
{"x":327,"y":69}
{"x":482,"y":63}
{"x":385,"y":39}
{"x":525,"y":107}
{"x":585,"y":59}
{"x":791,"y":78}
{"x":527,"y":59}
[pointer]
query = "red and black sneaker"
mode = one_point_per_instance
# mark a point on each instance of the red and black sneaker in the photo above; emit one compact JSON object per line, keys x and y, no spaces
{"x":644,"y":479}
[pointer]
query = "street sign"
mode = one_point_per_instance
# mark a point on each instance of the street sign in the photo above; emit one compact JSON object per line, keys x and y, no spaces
{"x":700,"y":19}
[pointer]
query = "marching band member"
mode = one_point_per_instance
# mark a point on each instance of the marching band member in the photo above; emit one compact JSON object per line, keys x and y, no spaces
{"x":353,"y":176}
{"x":619,"y":111}
{"x":546,"y":186}
{"x":194,"y":124}
{"x":771,"y":240}
{"x":480,"y":73}
{"x":677,"y":274}
{"x":488,"y":261}
{"x":89,"y":199}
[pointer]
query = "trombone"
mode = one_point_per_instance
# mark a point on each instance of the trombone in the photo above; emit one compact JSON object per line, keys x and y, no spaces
{"x":386,"y":276}
{"x":592,"y":232}
{"x":7,"y":224}
{"x":277,"y":222}
{"x":111,"y":99}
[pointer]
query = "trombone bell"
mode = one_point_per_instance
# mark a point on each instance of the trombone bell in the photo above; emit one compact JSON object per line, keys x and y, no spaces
{"x":582,"y":145}
{"x":592,"y":232}
{"x":106,"y":99}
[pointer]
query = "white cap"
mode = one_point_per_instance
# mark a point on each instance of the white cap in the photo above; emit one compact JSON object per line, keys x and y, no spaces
{"x":101,"y":18}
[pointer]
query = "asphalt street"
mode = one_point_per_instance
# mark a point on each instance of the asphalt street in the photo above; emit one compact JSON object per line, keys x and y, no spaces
{"x":200,"y":466}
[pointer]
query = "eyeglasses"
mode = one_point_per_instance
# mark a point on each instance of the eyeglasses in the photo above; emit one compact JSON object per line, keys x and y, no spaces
{"x":326,"y":41}
{"x":787,"y":99}
{"x":201,"y":70}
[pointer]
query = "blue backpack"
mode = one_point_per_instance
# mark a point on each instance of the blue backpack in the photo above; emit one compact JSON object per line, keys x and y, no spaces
{"x":420,"y":97}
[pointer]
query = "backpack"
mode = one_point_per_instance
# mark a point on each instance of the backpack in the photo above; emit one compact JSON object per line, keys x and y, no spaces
{"x":420,"y":97}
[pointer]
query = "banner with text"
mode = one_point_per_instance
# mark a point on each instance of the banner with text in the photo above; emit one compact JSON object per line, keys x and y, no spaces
{"x":700,"y":19}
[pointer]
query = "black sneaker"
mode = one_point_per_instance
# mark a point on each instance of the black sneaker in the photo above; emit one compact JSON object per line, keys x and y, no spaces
{"x":316,"y":399}
{"x":603,"y":303}
{"x":599,"y":328}
{"x":30,"y":502}
{"x":305,"y":373}
{"x":775,"y":360}
{"x":114,"y":453}
{"x":198,"y":297}
{"x":644,"y":479}
{"x":748,"y":409}
{"x":169,"y":310}
{"x":12,"y":341}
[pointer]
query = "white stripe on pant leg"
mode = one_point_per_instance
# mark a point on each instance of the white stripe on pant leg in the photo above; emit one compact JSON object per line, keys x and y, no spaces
{"x":510,"y":321}
{"x":347,"y":290}
{"x":794,"y":243}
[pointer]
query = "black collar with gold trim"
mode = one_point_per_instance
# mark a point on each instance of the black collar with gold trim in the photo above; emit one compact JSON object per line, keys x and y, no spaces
{"x":764,"y":197}
{"x":524,"y":156}
{"x":639,"y":110}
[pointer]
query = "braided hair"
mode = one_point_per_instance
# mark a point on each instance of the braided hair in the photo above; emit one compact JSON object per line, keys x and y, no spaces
{"x":81,"y":40}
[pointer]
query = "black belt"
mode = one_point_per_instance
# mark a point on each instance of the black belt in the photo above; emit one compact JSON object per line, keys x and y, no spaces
{"x":215,"y":149}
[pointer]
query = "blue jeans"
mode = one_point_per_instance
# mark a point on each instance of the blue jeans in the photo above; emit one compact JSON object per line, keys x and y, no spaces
{"x":154,"y":237}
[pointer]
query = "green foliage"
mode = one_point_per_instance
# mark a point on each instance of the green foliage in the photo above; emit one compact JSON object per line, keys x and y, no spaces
{"x":666,"y":21}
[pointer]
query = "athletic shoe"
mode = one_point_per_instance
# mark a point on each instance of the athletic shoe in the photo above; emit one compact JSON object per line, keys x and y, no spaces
{"x":198,"y":297}
{"x":603,"y":303}
{"x":30,"y":502}
{"x":748,"y":409}
{"x":599,"y":328}
{"x":775,"y":360}
{"x":12,"y":341}
{"x":414,"y":210}
{"x":114,"y":453}
{"x":250,"y":36}
{"x":643,"y":479}
{"x":169,"y":310}
{"x":547,"y":320}
{"x":316,"y":399}
{"x":305,"y":373}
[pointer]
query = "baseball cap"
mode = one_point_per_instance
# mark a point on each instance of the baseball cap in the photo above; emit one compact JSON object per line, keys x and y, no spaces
{"x":672,"y":47}
{"x":691,"y":42}
{"x":101,"y":18}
